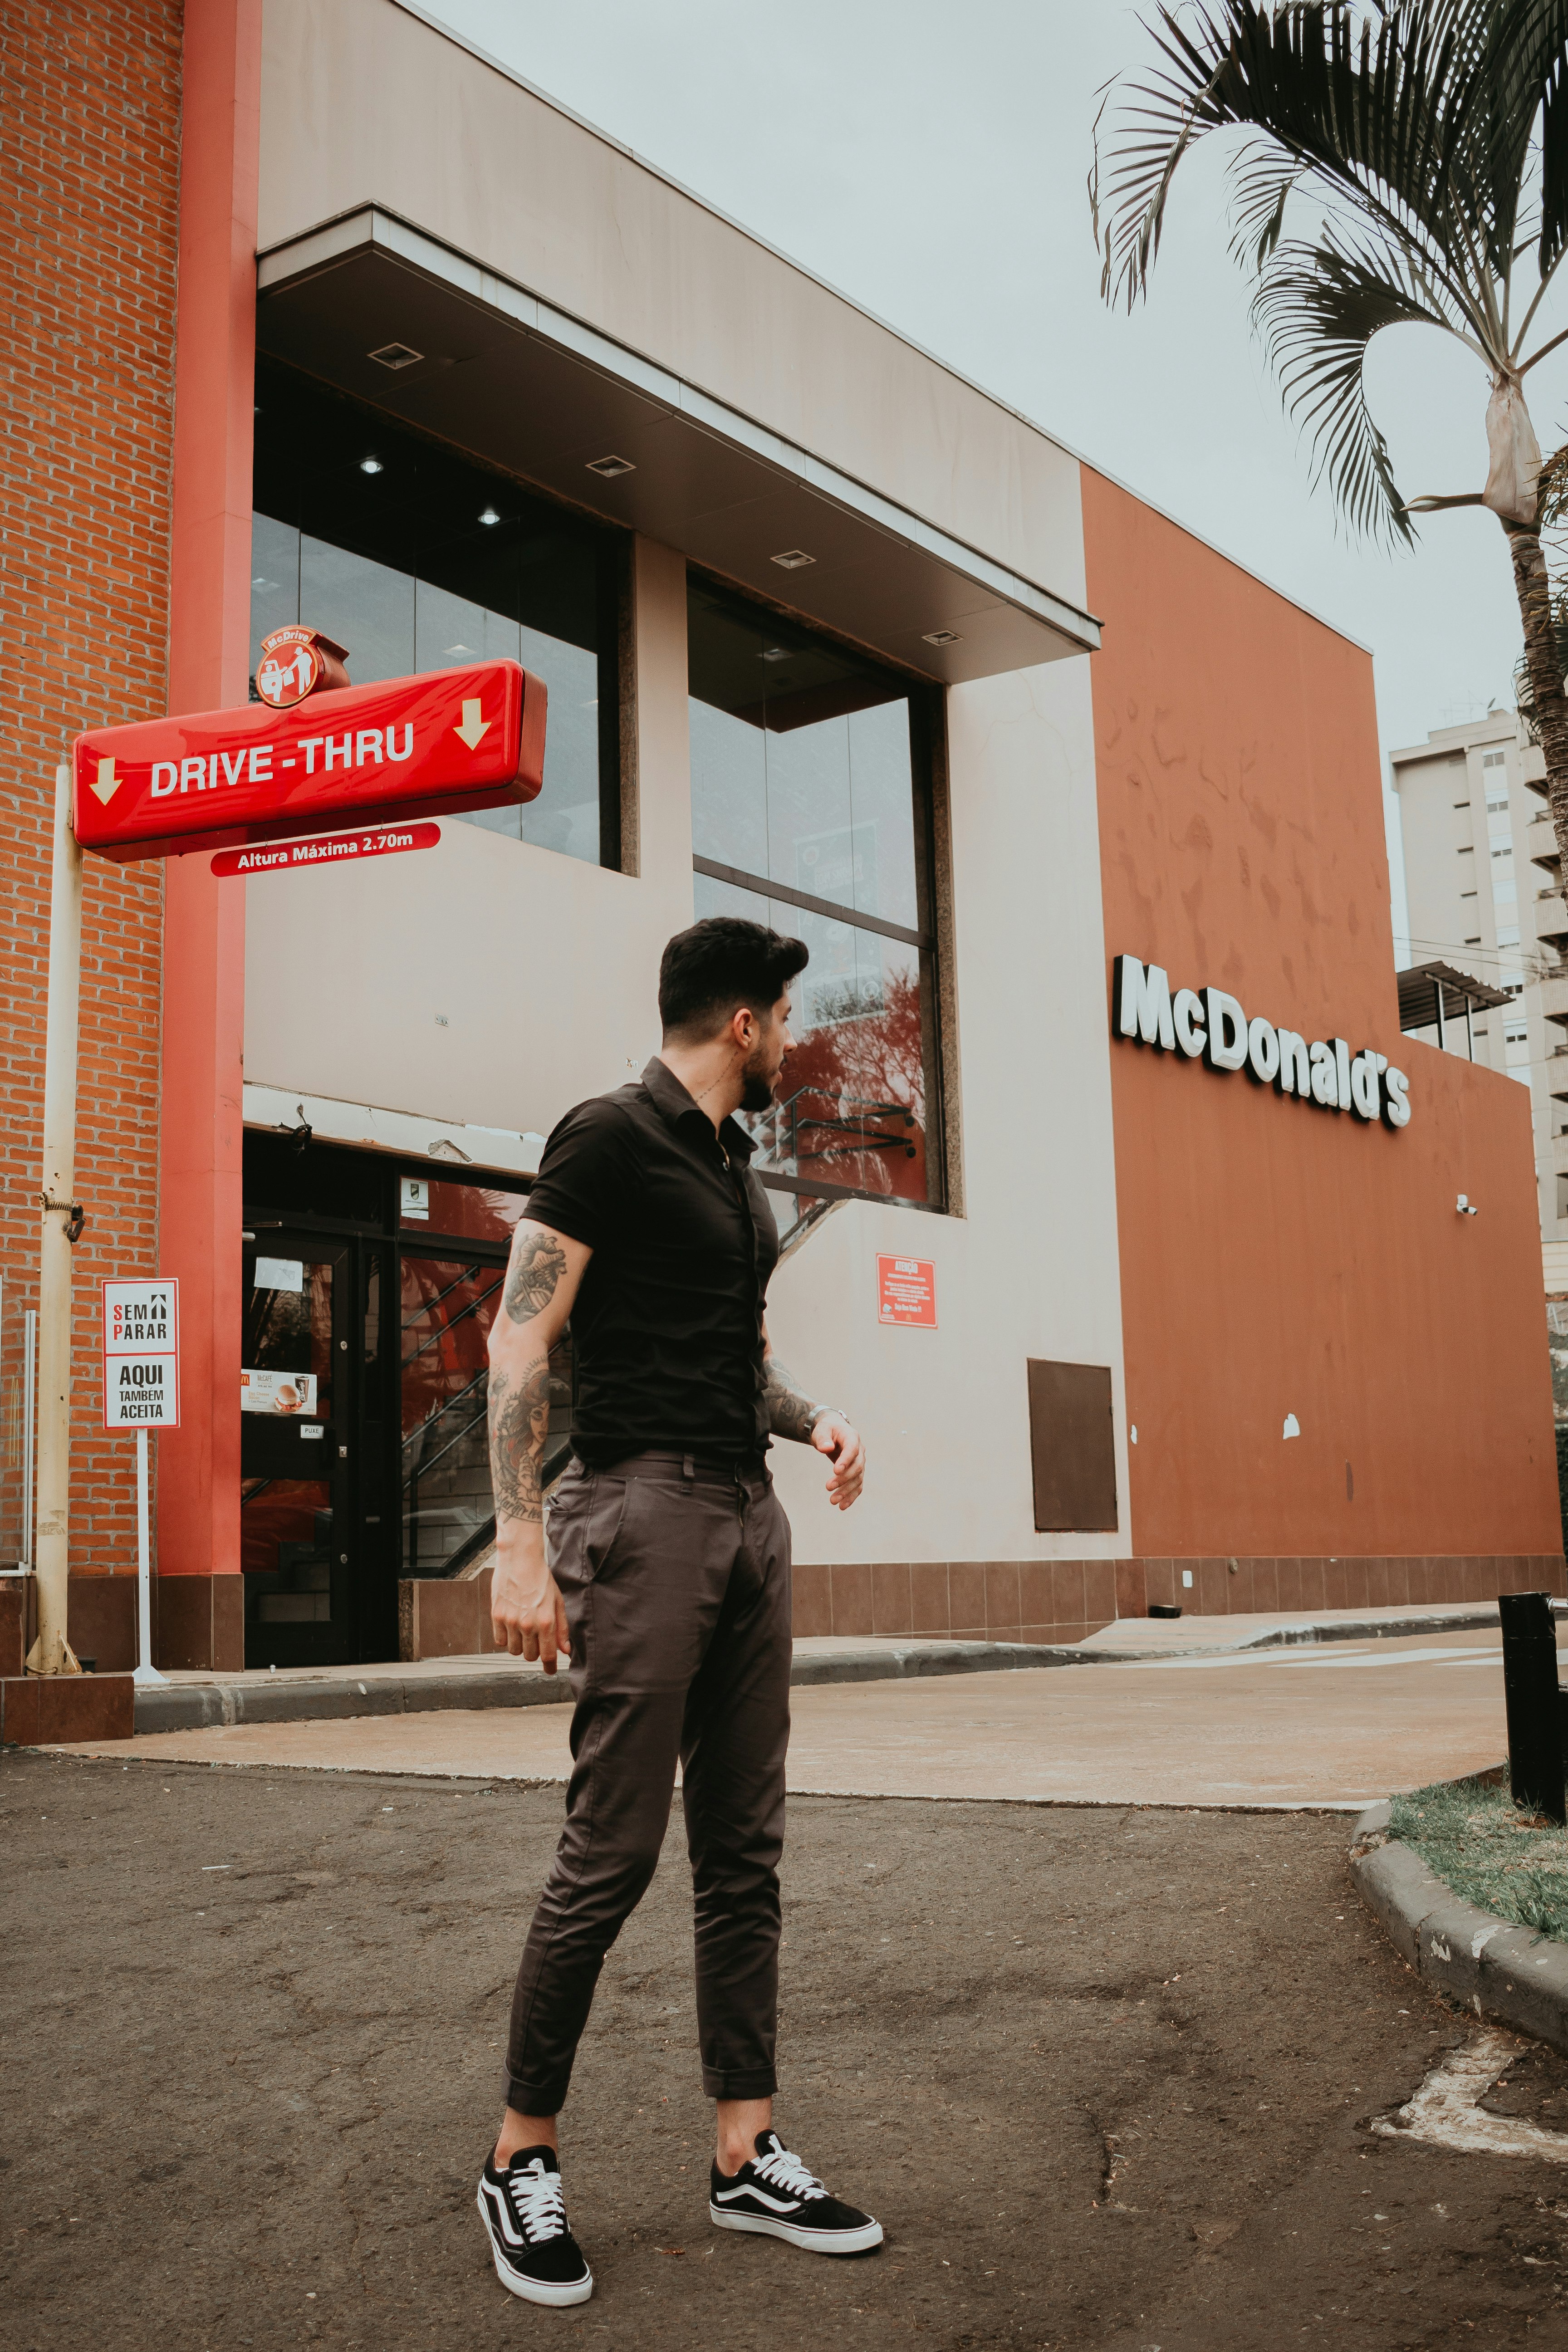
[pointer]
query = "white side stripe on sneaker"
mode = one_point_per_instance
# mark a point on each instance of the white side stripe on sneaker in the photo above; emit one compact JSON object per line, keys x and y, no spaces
{"x":503,"y":2212}
{"x":749,"y":2189}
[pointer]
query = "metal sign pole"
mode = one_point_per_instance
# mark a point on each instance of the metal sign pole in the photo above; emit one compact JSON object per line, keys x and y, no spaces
{"x":51,"y":1652}
{"x":146,"y":1672}
{"x":29,"y":1392}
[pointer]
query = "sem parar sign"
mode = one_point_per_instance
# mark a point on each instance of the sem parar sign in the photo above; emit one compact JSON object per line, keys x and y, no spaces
{"x":1213,"y":1026}
{"x":412,"y":746}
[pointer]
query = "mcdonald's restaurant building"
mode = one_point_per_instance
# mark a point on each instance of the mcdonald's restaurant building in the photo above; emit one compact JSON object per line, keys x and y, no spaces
{"x":1115,"y":1207}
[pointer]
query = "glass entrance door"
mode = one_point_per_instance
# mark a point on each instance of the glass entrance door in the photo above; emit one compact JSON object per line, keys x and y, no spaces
{"x":297,"y":1412}
{"x":449,"y":1516}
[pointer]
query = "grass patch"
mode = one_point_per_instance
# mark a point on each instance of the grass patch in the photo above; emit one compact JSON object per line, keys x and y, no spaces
{"x":1478,"y":1843}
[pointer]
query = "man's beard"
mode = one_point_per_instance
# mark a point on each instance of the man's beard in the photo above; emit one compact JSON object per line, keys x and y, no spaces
{"x":756,"y":1084}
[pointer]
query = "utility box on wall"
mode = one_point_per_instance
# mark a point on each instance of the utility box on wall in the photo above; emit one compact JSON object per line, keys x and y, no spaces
{"x":1072,"y":1445}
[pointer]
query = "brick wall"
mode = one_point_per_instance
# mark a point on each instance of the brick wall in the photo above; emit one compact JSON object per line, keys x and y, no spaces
{"x":89,"y":183}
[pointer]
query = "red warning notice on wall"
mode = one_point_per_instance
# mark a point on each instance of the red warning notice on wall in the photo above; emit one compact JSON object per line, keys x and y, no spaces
{"x":906,"y":1292}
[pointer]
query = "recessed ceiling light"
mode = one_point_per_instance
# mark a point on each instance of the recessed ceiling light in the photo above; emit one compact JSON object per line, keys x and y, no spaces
{"x":942,"y":637}
{"x":395,"y":356}
{"x":490,"y":515}
{"x":792,"y":559}
{"x":369,"y":466}
{"x":608,"y":467}
{"x":775,"y":653}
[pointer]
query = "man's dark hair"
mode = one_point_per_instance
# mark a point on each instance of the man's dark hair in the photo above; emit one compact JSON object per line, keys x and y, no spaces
{"x":707,"y":974}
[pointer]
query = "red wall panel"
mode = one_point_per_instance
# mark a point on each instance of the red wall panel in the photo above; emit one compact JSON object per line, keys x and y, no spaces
{"x":1277,"y":1258}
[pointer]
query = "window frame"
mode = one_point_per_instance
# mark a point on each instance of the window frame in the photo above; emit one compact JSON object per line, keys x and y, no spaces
{"x":614,"y":592}
{"x":927,"y":706}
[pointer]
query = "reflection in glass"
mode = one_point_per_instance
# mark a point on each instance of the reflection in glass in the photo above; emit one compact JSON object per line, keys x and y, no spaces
{"x":397,"y":566}
{"x":448,"y":1509}
{"x":851,"y":1102}
{"x":292,"y":1330}
{"x":447,"y":1310}
{"x":481,"y":1213}
{"x":285,"y":1550}
{"x":801,"y":761}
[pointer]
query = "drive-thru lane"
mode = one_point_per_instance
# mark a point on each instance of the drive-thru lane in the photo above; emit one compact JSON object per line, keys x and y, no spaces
{"x":1337,"y":1724}
{"x":1107,"y":2076}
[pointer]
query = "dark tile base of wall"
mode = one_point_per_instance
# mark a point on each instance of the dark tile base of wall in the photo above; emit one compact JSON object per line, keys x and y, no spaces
{"x":445,"y":1617}
{"x":35,"y":1708}
{"x":100,"y":1622}
{"x":198,"y":1622}
{"x":1064,"y":1599}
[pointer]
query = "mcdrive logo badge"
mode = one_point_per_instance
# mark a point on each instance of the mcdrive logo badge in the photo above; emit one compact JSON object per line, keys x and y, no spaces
{"x":296,"y":661}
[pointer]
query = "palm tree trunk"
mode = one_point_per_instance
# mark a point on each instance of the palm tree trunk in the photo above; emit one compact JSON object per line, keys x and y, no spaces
{"x":1545,"y":666}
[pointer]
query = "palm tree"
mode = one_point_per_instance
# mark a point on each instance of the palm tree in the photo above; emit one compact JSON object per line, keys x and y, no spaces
{"x":1429,"y":141}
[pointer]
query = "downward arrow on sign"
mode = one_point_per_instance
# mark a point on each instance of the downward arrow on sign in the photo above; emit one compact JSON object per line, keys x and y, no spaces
{"x":474,"y":729}
{"x":108,"y":782}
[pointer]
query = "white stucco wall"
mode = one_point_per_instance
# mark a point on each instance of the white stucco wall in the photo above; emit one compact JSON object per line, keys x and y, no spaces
{"x":364,"y":103}
{"x":1031,"y":1270}
{"x":545,"y":968}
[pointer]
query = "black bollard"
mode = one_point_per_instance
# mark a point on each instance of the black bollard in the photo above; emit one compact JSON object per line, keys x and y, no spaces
{"x":1529,"y":1692}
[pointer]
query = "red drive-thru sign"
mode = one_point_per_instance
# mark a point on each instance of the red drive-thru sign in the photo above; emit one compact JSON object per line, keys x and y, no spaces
{"x":409,"y":747}
{"x":906,"y":1292}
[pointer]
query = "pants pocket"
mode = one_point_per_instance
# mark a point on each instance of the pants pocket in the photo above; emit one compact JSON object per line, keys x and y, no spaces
{"x":586,"y":1522}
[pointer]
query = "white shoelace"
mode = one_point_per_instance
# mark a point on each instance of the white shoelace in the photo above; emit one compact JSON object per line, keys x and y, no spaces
{"x":783,"y":2171}
{"x":537,"y":2201}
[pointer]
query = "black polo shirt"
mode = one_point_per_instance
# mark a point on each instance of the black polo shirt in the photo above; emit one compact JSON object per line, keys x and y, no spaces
{"x":667,"y":1329}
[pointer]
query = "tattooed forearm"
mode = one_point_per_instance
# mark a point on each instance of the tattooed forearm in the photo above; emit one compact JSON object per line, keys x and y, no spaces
{"x":789,"y":1411}
{"x":537,"y":1266}
{"x":519,"y":1417}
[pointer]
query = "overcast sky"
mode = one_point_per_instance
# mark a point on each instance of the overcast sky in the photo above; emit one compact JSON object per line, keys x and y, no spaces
{"x":929,"y":158}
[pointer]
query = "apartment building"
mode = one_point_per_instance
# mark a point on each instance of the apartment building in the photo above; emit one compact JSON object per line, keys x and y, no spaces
{"x":1485,"y":886}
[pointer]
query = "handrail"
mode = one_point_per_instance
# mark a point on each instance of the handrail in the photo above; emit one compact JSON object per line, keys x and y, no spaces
{"x":455,"y":1398}
{"x":451,"y":1322}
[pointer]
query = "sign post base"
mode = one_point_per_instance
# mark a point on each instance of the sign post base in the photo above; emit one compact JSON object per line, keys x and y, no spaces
{"x":146,"y":1672}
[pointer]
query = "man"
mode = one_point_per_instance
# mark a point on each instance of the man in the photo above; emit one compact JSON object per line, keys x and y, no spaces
{"x":667,"y":1582}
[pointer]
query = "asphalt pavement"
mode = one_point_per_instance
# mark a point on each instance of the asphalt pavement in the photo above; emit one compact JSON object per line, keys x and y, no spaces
{"x":1107,"y":2075}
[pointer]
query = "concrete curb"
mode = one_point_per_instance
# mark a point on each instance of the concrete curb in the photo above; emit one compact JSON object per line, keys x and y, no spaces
{"x":1509,"y":1974}
{"x":199,"y":1707}
{"x":1309,"y":1636}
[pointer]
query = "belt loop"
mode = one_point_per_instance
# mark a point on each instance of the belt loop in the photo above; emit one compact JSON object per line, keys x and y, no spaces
{"x":688,"y":1466}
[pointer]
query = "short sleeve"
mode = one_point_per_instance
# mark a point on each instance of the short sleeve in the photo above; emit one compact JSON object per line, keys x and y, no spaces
{"x":587,"y":1175}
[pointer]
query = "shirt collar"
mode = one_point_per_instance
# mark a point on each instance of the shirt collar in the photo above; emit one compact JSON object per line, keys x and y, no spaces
{"x":675,"y":1106}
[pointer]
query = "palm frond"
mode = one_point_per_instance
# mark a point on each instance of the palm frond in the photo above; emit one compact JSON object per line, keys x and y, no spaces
{"x":1262,"y":181}
{"x":1358,"y":104}
{"x":1318,"y":307}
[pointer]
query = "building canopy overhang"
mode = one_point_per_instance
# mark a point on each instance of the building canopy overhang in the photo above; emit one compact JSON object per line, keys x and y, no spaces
{"x":478,"y":361}
{"x":1430,"y":993}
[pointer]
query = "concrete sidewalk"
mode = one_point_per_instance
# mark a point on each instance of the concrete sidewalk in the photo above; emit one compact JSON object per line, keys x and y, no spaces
{"x":196,"y":1701}
{"x":1294,"y":1728}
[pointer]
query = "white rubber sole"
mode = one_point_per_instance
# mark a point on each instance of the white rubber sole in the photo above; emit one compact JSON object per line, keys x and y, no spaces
{"x":810,"y":2242}
{"x":533,"y":2289}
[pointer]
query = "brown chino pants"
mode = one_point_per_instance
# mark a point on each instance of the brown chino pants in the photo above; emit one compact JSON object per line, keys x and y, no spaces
{"x":675,"y":1579}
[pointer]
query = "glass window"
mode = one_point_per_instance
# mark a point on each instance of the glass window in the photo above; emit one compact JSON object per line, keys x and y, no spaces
{"x":448,"y":1512}
{"x":417,"y":559}
{"x":481,"y":1213}
{"x":807,"y":785}
{"x":447,"y":1310}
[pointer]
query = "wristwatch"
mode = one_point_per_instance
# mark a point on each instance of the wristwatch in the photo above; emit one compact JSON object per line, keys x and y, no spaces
{"x":820,"y":1411}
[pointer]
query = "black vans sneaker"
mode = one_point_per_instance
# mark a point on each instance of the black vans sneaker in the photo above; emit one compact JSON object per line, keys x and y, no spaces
{"x":535,"y":2254}
{"x":776,"y":2195}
